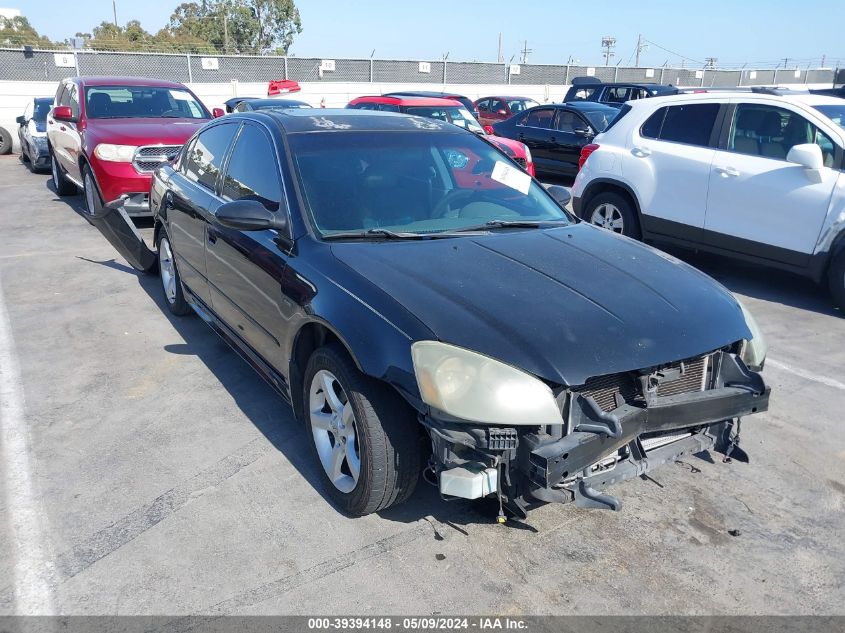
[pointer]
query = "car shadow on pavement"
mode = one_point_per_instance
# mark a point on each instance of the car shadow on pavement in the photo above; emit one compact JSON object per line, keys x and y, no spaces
{"x":760,"y":282}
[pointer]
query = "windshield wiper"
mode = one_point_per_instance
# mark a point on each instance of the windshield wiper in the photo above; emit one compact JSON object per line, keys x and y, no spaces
{"x":377,"y":233}
{"x":507,"y":224}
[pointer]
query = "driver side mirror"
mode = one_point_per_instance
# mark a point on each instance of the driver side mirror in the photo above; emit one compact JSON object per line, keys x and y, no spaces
{"x":63,"y":113}
{"x":560,"y":194}
{"x":248,"y":215}
{"x":20,"y":120}
{"x":218,"y":112}
{"x":810,"y":157}
{"x":502,"y":112}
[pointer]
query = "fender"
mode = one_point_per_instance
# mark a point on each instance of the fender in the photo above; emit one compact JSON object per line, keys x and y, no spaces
{"x":599,"y":184}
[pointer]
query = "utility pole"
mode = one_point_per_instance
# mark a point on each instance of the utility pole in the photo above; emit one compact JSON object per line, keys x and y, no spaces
{"x":608,"y":43}
{"x":640,"y":48}
{"x":500,"y":57}
{"x":114,"y":11}
{"x":710,"y":63}
{"x":225,"y":31}
{"x":525,"y":52}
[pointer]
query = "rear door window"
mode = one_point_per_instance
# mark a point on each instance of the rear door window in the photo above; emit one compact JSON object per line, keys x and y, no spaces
{"x":540,"y":118}
{"x":205,"y":157}
{"x":252,"y":172}
{"x":691,"y":124}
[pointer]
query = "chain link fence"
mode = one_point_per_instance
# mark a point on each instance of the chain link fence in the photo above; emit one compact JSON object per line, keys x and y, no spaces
{"x":53,"y":65}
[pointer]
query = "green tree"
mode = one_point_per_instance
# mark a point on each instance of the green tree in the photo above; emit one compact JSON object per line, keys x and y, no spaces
{"x":18,"y":31}
{"x":239,"y":26}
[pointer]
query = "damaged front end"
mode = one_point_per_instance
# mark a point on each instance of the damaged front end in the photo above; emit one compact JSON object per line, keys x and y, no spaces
{"x":611,"y":429}
{"x":113,"y":221}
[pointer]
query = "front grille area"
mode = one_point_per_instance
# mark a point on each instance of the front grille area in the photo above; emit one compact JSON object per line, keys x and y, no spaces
{"x":150,"y":157}
{"x":612,"y":391}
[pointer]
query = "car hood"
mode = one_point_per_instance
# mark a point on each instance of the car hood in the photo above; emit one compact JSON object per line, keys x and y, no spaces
{"x":153,"y":131}
{"x":517,"y":148}
{"x":564,"y":304}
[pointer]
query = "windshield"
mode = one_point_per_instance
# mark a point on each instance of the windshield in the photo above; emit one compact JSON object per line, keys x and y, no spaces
{"x":136,"y":102}
{"x":601,"y":119}
{"x":413,"y":182}
{"x":518,"y":105}
{"x":835,"y":113}
{"x":458,"y":115}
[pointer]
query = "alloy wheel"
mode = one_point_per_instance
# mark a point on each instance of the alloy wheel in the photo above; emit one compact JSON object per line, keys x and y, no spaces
{"x":167,"y":270}
{"x":609,"y":217}
{"x":335,"y":433}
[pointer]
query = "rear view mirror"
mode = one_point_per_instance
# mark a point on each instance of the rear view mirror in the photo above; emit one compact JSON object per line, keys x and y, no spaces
{"x":560,"y":194}
{"x":20,"y":120}
{"x":247,"y":215}
{"x":808,"y":155}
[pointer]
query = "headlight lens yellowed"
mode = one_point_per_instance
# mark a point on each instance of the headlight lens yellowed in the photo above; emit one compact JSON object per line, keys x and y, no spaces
{"x":477,"y":388}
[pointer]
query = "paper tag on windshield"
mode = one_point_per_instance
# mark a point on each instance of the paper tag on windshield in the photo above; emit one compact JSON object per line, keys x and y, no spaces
{"x":180,"y":95}
{"x":511,"y":176}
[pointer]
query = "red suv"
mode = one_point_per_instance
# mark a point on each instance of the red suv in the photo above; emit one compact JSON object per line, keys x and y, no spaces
{"x":107,"y":135}
{"x":448,"y":110}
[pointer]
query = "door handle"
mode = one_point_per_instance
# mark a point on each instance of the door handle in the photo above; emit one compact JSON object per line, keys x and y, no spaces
{"x":727,"y":171}
{"x":641,"y":152}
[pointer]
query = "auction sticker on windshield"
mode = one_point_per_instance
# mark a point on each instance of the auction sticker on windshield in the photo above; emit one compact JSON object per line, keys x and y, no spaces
{"x":511,"y":177}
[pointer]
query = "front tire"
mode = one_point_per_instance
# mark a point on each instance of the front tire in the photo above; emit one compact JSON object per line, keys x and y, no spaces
{"x":363,"y":435}
{"x":836,"y":280}
{"x":64,"y":187}
{"x":171,"y":283}
{"x":614,"y":212}
{"x":93,"y":200}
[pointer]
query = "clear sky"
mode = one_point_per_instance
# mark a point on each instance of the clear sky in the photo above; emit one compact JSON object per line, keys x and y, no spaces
{"x":733,"y":31}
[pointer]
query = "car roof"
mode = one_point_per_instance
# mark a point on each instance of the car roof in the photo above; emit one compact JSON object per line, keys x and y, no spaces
{"x":50,"y":99}
{"x":723,"y":95}
{"x":280,"y":103}
{"x":426,"y":93}
{"x":348,"y":120}
{"x":109,"y":80}
{"x":587,"y":106}
{"x":407,"y":101}
{"x":506,"y":98}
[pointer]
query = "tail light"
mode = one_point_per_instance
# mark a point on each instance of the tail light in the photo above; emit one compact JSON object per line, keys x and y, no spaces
{"x":585,"y":153}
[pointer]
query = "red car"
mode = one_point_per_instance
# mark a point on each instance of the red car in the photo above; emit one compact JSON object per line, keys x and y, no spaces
{"x":448,"y":110}
{"x":107,"y":135}
{"x":494,"y":109}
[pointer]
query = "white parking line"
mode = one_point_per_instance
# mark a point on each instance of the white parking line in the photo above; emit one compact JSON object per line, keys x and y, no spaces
{"x":803,"y":373}
{"x":26,"y":536}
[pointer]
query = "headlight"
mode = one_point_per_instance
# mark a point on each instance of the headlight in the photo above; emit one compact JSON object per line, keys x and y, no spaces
{"x":115,"y":153}
{"x":477,"y":388}
{"x":753,"y":352}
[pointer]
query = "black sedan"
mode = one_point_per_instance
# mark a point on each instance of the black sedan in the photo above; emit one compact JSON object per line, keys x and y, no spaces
{"x":556,"y":133}
{"x":248,"y":105}
{"x":405,"y":287}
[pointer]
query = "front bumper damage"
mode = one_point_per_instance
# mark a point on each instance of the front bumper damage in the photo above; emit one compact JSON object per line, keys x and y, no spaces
{"x":113,"y":221}
{"x":596,"y":448}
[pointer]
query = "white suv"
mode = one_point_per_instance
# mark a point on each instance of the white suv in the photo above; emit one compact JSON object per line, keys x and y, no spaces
{"x":756,"y":175}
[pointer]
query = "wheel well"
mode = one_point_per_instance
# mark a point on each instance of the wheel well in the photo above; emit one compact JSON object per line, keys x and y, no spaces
{"x":308,"y":339}
{"x":613,"y":187}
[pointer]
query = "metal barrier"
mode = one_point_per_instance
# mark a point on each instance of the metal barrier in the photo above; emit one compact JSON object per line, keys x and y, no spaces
{"x":52,"y":65}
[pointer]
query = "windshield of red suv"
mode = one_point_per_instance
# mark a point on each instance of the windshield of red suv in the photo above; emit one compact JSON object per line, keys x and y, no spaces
{"x":142,"y":102}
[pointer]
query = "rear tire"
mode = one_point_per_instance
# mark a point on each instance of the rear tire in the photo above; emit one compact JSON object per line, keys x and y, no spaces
{"x":171,"y":282}
{"x":64,"y":187}
{"x":836,"y":280}
{"x":365,"y":428}
{"x":5,"y":141}
{"x":613,"y":212}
